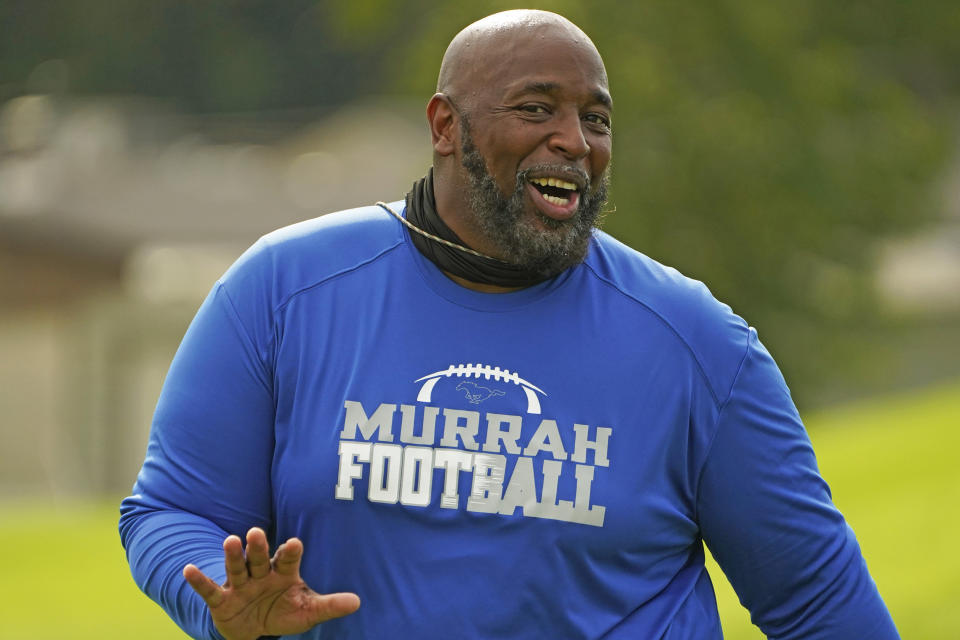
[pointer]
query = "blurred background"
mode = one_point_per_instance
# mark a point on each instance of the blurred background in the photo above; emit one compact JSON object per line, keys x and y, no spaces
{"x":802,"y":159}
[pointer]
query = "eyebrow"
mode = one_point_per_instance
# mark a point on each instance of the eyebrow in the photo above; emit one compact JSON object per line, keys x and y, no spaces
{"x":551,"y":87}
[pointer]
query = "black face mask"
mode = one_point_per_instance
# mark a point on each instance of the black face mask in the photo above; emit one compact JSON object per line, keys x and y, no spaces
{"x":422,"y":213}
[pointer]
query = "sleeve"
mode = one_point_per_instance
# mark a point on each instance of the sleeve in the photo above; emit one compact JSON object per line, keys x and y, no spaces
{"x":768,"y":518}
{"x":207,"y":467}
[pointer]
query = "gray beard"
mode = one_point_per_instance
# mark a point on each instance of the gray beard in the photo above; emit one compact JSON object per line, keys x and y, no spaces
{"x":547,"y":251}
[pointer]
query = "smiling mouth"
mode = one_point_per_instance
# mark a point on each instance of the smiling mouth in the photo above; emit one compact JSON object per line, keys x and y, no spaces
{"x":556,"y":191}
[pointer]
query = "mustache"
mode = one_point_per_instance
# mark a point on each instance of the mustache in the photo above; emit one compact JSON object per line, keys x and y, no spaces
{"x":546,"y":167}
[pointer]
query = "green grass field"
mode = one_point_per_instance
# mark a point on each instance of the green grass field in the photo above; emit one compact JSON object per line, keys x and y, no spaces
{"x":891,"y":464}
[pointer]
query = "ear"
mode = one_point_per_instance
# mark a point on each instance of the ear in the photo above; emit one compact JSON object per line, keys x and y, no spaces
{"x":444,"y":123}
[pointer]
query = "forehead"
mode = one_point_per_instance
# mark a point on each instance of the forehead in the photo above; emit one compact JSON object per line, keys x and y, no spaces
{"x":540,"y":60}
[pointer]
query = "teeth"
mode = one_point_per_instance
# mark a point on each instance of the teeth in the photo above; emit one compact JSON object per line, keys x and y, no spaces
{"x":554,"y":182}
{"x":555,"y":200}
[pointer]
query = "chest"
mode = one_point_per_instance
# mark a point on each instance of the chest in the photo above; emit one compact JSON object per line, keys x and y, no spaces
{"x":395,"y":407}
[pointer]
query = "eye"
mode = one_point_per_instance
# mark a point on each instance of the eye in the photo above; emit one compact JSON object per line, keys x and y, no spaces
{"x":598,"y":119}
{"x":534,"y":108}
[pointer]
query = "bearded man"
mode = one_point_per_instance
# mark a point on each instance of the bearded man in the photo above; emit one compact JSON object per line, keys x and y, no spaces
{"x":481,"y":415}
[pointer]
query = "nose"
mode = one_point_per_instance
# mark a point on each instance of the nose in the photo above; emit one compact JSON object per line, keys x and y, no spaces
{"x":568,"y":139}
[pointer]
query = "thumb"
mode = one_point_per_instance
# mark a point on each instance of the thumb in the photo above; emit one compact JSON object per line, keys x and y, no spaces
{"x":333,"y":605}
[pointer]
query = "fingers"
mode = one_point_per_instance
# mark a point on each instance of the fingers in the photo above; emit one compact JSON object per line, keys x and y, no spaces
{"x":234,"y":562}
{"x":286,"y":561}
{"x":333,"y":605}
{"x":209,"y":590}
{"x":258,"y":553}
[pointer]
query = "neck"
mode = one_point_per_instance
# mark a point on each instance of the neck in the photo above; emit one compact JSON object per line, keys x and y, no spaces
{"x":455,"y":211}
{"x":479,"y":286}
{"x":443,"y":231}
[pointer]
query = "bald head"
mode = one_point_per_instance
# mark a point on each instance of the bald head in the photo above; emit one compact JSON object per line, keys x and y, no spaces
{"x":522,"y":97}
{"x":480,"y":53}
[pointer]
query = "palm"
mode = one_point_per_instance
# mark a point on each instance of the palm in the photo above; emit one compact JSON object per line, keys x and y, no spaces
{"x":266,"y":607}
{"x":264,"y":596}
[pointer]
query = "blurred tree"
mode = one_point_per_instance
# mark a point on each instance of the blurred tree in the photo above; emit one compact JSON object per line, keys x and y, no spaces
{"x":211,"y":56}
{"x":763,"y":147}
{"x":766,"y":148}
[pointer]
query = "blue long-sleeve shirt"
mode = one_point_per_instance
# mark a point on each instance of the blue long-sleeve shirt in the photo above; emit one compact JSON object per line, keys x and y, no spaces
{"x":545,"y":463}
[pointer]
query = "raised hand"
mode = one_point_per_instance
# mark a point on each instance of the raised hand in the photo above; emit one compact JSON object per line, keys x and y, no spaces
{"x":265,"y":596}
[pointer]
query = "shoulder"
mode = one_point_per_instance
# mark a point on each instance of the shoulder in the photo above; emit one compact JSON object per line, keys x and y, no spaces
{"x":367,"y":229}
{"x":303,"y":255}
{"x":714,"y":335}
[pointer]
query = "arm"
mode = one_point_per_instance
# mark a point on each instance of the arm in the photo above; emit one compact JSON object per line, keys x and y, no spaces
{"x":206,"y":477}
{"x":207,"y":470}
{"x":769,"y":520}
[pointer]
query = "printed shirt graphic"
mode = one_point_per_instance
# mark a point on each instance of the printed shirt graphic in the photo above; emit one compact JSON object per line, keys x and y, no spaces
{"x":476,"y":393}
{"x":504,"y":476}
{"x":633,"y":417}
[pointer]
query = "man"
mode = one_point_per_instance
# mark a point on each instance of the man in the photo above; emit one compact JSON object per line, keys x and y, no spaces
{"x":480,"y":415}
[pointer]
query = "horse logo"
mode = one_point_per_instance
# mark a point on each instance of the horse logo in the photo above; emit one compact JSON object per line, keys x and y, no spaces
{"x":476,"y":393}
